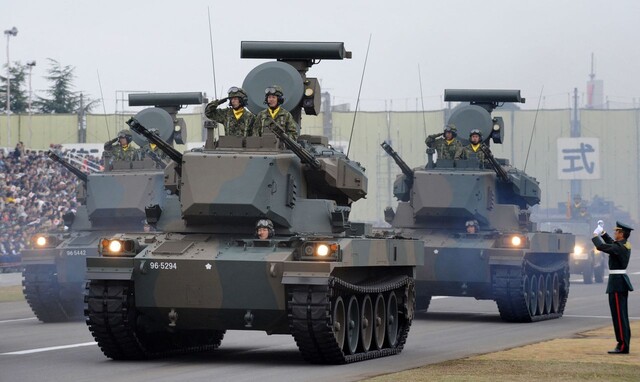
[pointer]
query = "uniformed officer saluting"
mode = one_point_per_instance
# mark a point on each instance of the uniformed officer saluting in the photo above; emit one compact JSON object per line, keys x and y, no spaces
{"x":619,"y":285}
{"x":236,"y":118}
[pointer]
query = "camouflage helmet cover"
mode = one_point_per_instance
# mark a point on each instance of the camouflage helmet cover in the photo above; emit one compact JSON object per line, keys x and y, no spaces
{"x":451,"y":128}
{"x":125,"y":134}
{"x":475,"y":132}
{"x":265,"y":223}
{"x":235,"y":91}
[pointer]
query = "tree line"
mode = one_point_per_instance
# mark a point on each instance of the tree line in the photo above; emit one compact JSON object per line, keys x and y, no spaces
{"x":60,"y":98}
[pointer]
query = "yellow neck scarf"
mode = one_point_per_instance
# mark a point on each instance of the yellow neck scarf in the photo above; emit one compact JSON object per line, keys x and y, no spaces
{"x":153,"y":146}
{"x":273,"y":113}
{"x":475,"y":147}
{"x":449,"y":142}
{"x":238,"y":113}
{"x":125,"y":147}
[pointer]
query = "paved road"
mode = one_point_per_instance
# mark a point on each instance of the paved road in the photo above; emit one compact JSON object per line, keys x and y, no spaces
{"x":453,"y":328}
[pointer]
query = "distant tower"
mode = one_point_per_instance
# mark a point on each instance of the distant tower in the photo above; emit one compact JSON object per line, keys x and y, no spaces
{"x":595,"y":90}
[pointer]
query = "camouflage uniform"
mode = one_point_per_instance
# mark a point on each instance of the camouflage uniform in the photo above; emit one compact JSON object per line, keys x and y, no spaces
{"x":283,"y":118}
{"x":446,"y":150}
{"x":155,"y":154}
{"x":469,"y":152}
{"x":239,"y":127}
{"x":118,"y":152}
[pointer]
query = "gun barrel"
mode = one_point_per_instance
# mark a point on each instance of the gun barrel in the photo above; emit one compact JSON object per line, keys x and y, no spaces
{"x":153,"y":138}
{"x":304,"y":155}
{"x":56,"y":158}
{"x":494,"y":163}
{"x":406,"y":170}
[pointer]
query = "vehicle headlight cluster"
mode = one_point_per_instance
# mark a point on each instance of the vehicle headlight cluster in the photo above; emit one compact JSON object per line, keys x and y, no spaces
{"x":42,"y":241}
{"x":320,"y":251}
{"x":118,"y":247}
{"x":579,"y":252}
{"x":513,"y":240}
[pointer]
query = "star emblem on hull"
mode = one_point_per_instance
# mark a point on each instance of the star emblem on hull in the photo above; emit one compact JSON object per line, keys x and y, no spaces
{"x":208,"y":266}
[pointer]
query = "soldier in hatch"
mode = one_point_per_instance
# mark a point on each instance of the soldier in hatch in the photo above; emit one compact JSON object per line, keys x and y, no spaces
{"x":236,"y":118}
{"x":122,"y":150}
{"x":473,"y":148}
{"x":264,"y":229}
{"x":448,"y":147}
{"x":274,"y":97}
{"x":151,"y":150}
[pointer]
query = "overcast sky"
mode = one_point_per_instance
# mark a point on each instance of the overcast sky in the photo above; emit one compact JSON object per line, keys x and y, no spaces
{"x":164,"y":46}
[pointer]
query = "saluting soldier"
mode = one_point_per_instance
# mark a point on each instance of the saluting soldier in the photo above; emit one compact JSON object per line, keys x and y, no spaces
{"x":619,"y":285}
{"x":122,"y":150}
{"x":236,"y":119}
{"x":274,"y":97}
{"x":448,"y":147}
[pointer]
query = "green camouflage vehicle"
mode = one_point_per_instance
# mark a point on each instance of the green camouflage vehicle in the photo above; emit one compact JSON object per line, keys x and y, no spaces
{"x":508,"y":259}
{"x":343,"y":295}
{"x":54,"y":267}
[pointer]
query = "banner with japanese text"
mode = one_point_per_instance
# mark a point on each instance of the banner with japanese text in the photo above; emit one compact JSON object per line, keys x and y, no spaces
{"x":578,"y":158}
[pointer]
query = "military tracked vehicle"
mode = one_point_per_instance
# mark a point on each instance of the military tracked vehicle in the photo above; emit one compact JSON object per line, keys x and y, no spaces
{"x":343,"y":295}
{"x":508,"y":260}
{"x":580,"y":216}
{"x":113,"y":200}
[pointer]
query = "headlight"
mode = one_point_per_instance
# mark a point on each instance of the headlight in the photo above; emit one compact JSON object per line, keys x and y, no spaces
{"x":320,"y":251}
{"x":118,"y":247}
{"x":577,"y":250}
{"x":512,"y":241}
{"x":42,"y":241}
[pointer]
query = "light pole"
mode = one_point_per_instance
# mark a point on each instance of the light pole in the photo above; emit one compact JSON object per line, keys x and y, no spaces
{"x":9,"y":32}
{"x":30,"y":64}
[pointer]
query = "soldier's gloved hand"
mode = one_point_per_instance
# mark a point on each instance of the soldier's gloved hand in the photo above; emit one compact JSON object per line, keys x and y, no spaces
{"x":114,"y":140}
{"x":598,"y":231}
{"x":223,"y":100}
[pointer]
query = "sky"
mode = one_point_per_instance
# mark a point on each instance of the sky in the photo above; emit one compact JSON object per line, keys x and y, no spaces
{"x":541,"y":47}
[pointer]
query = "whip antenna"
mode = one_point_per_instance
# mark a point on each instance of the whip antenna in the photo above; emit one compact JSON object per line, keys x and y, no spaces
{"x":104,"y":109}
{"x":424,"y":118}
{"x":359,"y":90}
{"x":533,"y":130}
{"x":213,"y":64}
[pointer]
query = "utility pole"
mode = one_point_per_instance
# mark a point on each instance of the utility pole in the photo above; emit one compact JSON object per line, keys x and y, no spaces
{"x":576,"y":185}
{"x":9,"y":32}
{"x":30,"y":64}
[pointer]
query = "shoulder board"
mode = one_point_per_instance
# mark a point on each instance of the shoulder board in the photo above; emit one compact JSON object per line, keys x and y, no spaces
{"x":627,"y":245}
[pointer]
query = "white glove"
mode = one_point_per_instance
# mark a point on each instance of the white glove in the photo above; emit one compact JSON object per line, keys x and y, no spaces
{"x":599,"y":230}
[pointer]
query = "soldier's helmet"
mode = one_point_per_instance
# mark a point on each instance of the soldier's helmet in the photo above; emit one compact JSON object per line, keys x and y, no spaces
{"x":125,"y":134}
{"x":265,"y":223}
{"x":473,"y":223}
{"x":475,"y":132}
{"x":452,"y":128}
{"x":276,"y":91}
{"x":235,"y":91}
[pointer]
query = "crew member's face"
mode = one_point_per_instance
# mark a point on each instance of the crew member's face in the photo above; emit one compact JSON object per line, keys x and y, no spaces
{"x":263,"y":233}
{"x":475,"y":139}
{"x":272,"y":100}
{"x":618,"y":235}
{"x":448,"y":135}
{"x":123,"y":141}
{"x":235,"y":102}
{"x":471,"y":229}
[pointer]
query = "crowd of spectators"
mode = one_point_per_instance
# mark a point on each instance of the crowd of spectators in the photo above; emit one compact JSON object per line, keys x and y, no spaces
{"x":35,"y":193}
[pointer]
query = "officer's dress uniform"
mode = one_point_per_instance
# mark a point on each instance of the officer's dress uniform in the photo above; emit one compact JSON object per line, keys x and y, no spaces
{"x":618,"y":286}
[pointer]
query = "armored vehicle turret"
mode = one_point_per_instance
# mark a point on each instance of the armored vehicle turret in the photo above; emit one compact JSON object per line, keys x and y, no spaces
{"x":472,"y":212}
{"x":343,"y":295}
{"x":111,"y":200}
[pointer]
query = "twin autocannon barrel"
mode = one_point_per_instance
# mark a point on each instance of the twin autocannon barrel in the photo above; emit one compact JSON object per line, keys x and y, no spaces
{"x":56,"y":158}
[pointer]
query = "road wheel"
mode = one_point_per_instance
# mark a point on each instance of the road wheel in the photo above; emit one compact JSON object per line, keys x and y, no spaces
{"x":353,"y":325}
{"x":366,"y":323}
